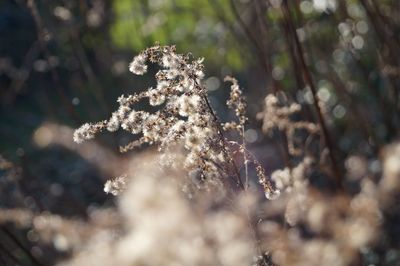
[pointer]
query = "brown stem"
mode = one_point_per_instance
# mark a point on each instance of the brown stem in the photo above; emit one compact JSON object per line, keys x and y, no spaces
{"x":41,"y":34}
{"x":265,"y":63}
{"x":308,"y":79}
{"x":19,"y":244}
{"x":224,"y":149}
{"x":250,"y":36}
{"x":9,"y":254}
{"x":391,"y":46}
{"x":88,"y":70}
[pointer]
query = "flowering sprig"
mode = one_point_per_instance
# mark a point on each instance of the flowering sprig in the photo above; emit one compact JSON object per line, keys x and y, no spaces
{"x":277,"y":115}
{"x":184,"y":128}
{"x":116,"y":185}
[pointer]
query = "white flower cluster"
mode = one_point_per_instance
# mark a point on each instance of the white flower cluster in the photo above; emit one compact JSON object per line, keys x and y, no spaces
{"x":339,"y":225}
{"x":138,"y":65}
{"x":287,"y":180}
{"x":116,"y":185}
{"x":184,"y":128}
{"x":88,"y":131}
{"x":276,"y":115}
{"x":271,"y":191}
{"x":236,"y":100}
{"x":295,"y":183}
{"x":161,"y":227}
{"x":185,"y":116}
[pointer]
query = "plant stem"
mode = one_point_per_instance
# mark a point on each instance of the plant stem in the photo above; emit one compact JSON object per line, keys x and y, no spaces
{"x":308,"y":80}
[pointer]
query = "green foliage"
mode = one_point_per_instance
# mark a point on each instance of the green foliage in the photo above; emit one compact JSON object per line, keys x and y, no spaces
{"x":189,"y":24}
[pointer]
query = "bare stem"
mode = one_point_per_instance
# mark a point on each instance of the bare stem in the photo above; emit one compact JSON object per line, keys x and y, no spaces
{"x":41,"y":34}
{"x":224,"y":149}
{"x":308,"y":79}
{"x":20,"y":245}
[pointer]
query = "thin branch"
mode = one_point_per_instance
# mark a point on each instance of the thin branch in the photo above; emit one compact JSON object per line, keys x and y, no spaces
{"x":41,"y":34}
{"x":250,"y":36}
{"x":224,"y":149}
{"x":19,"y":244}
{"x":308,"y":79}
{"x":9,"y":254}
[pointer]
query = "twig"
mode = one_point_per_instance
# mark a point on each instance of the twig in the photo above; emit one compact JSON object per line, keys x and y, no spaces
{"x":9,"y":254}
{"x":250,"y":36}
{"x":224,"y":149}
{"x":41,"y":33}
{"x":19,"y":244}
{"x":308,"y":79}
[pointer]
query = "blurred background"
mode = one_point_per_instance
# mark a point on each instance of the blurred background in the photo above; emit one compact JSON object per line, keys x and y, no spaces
{"x":65,"y":62}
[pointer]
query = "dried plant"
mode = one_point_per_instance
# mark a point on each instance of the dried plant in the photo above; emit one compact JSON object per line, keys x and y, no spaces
{"x":185,"y":128}
{"x":331,"y":229}
{"x":277,"y":115}
{"x":313,"y":228}
{"x":162,"y":227}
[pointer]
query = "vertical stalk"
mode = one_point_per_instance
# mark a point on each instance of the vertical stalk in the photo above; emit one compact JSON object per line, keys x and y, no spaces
{"x":308,"y":80}
{"x":41,"y":34}
{"x":9,"y":254}
{"x":10,"y":235}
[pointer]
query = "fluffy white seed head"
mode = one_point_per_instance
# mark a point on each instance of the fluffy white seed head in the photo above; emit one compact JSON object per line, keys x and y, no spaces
{"x":138,"y":65}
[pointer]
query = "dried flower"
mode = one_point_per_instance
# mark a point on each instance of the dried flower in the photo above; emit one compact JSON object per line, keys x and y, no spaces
{"x":88,"y":131}
{"x":184,"y":119}
{"x":116,"y":185}
{"x":236,"y":101}
{"x":276,"y":115}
